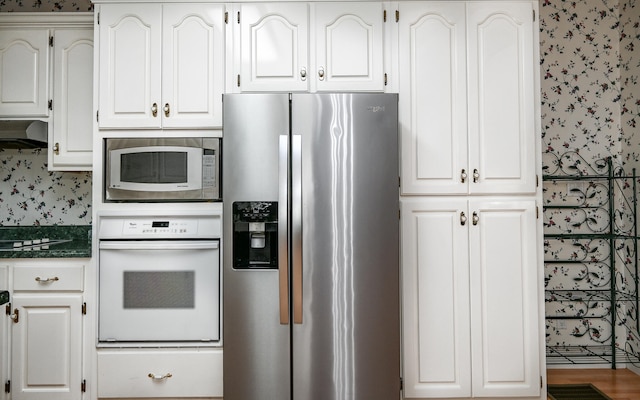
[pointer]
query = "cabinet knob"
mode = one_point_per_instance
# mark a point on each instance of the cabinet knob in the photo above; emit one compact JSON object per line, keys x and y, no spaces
{"x":56,"y":148}
{"x":463,"y":218}
{"x":166,"y":109}
{"x":15,"y":317}
{"x":159,"y":378}
{"x":476,"y":175}
{"x":475,"y":218}
{"x":463,"y":175}
{"x":321,"y":73}
{"x":303,"y":74}
{"x":154,"y":109}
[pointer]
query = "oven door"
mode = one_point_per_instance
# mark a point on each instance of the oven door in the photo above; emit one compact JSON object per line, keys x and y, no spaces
{"x":159,"y":291}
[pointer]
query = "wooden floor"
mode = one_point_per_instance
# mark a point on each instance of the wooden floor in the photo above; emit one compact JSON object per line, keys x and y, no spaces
{"x":620,"y":384}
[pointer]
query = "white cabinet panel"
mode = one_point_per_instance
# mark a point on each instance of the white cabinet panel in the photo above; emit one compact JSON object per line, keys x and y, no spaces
{"x":130,"y":57}
{"x":274,"y":47}
{"x":470,"y":297}
{"x":435,"y":271}
{"x":192,"y":65}
{"x":4,"y":332}
{"x":47,"y":347}
{"x":467,"y":98}
{"x":24,"y":69}
{"x":504,"y":298}
{"x":71,"y":142}
{"x":501,"y":96}
{"x":310,"y":47}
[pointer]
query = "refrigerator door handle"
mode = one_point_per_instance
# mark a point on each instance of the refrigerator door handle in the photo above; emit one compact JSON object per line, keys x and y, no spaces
{"x":283,"y":252}
{"x":296,"y":226}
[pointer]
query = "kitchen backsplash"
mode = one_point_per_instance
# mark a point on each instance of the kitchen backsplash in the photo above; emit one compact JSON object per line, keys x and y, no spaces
{"x":45,"y":5}
{"x":32,"y":195}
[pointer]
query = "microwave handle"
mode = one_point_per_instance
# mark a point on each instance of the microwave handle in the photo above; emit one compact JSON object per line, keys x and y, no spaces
{"x":159,"y":245}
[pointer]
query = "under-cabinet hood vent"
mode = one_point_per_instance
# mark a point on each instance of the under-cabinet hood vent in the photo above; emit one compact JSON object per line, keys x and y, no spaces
{"x":23,"y":134}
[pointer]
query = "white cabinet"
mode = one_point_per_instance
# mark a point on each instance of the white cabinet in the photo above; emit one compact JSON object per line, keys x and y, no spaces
{"x":24,"y":72}
{"x":467,"y":97}
{"x":470,"y":298}
{"x":71,"y":138}
{"x":4,"y":333}
{"x":161,"y":65}
{"x":46,"y":73}
{"x":310,"y":47}
{"x":46,"y":339}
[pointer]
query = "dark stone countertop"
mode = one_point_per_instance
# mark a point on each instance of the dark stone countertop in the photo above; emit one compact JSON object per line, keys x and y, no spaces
{"x":79,"y":245}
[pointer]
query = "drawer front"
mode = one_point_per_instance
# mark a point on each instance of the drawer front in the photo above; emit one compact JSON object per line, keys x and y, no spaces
{"x":159,"y":373}
{"x":48,"y":278}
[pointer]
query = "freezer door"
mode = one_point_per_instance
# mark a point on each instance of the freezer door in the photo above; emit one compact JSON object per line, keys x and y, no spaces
{"x":255,"y":339}
{"x":345,"y":267}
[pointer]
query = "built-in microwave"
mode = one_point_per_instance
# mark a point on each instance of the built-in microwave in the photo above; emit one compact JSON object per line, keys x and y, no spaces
{"x":162,"y":169}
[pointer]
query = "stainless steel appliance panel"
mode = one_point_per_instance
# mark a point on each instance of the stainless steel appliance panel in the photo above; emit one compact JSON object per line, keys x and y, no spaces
{"x":256,"y":361}
{"x":346,"y":344}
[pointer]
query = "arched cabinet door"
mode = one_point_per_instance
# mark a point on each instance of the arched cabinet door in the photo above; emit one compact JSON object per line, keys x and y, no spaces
{"x":273,"y":47}
{"x":24,"y":68}
{"x":130,"y":66}
{"x":348,"y":42}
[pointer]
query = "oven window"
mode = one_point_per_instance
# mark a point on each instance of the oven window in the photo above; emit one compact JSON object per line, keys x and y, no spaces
{"x":159,"y":289}
{"x":154,"y":167}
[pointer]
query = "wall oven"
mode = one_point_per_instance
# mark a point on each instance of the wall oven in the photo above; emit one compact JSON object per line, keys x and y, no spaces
{"x":159,"y":281}
{"x":162,"y":169}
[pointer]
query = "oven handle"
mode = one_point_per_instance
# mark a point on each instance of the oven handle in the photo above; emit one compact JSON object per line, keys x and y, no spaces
{"x":159,"y":245}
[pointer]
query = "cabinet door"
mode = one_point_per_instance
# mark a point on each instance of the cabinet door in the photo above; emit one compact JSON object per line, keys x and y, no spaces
{"x":193,"y":65}
{"x":4,"y":332}
{"x":502,"y":134}
{"x":435,"y":287}
{"x":504,"y":298}
{"x":274,"y":47}
{"x":24,"y":69}
{"x":433,"y":103}
{"x":130,"y":58}
{"x":348,"y":46}
{"x":72,"y":138}
{"x":46,"y":345}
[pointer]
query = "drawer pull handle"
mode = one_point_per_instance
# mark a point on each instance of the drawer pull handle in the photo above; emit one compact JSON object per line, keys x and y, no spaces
{"x":159,"y":378}
{"x":40,"y":280}
{"x":15,"y":317}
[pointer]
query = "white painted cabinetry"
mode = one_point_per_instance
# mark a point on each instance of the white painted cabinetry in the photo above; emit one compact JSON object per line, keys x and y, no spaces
{"x":71,"y":139}
{"x":161,"y":65}
{"x":46,"y":339}
{"x":310,"y":47}
{"x":467,"y":92}
{"x":24,"y":72}
{"x":471,"y":238}
{"x":4,"y":333}
{"x":46,"y":73}
{"x":470,"y":297}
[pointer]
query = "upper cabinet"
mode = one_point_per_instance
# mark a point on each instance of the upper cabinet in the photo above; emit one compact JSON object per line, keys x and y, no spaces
{"x":70,"y":140}
{"x":162,"y":65}
{"x":467,"y":99}
{"x":310,"y":47}
{"x":24,"y":72}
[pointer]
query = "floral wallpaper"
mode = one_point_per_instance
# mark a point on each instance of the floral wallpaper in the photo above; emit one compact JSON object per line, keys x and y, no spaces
{"x":45,"y":5}
{"x":590,"y":92}
{"x":32,"y":195}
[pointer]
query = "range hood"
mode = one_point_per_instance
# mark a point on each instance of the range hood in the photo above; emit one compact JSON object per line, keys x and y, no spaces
{"x":23,"y":134}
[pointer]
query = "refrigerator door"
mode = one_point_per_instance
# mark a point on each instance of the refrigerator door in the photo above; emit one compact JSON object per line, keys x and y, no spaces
{"x":256,"y":343}
{"x":345,"y":267}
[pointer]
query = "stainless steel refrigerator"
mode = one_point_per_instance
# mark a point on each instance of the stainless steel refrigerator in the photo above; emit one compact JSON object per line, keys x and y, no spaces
{"x":311,"y":252}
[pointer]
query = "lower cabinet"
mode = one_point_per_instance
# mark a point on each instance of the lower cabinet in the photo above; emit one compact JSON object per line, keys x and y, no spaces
{"x":470,"y":298}
{"x":46,"y":331}
{"x":4,"y":334}
{"x":154,"y":373}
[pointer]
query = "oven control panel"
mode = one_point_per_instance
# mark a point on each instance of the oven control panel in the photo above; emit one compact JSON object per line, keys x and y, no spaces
{"x":160,"y":227}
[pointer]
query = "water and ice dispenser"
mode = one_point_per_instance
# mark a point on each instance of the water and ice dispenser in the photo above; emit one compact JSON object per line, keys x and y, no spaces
{"x":255,"y":235}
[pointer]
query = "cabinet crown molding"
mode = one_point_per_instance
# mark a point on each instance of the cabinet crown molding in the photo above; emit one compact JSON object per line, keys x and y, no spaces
{"x":45,"y":19}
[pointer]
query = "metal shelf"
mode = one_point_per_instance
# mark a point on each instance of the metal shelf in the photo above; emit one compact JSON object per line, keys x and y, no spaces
{"x":591,"y":263}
